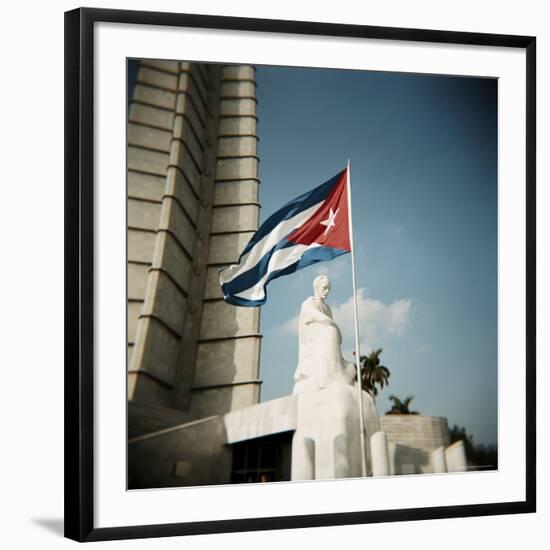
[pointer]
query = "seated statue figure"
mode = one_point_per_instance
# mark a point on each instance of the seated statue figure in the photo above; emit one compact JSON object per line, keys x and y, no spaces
{"x":320,"y":360}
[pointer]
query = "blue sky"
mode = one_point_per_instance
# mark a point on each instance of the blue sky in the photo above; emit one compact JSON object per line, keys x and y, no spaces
{"x":423,"y":153}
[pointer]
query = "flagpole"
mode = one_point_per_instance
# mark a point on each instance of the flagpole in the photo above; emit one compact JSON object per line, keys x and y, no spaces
{"x":356,"y":327}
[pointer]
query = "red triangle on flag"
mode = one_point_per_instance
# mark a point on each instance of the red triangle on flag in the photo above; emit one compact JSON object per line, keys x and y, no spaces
{"x":329,"y":226}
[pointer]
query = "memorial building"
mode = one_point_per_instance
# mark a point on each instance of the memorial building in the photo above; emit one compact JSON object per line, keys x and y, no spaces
{"x":194,"y":411}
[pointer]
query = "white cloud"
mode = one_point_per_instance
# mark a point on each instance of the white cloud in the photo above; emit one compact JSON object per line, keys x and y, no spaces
{"x":290,"y":327}
{"x":377,"y":321}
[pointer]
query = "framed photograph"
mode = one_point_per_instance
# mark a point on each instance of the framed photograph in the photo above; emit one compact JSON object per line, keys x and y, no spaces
{"x":300,"y":274}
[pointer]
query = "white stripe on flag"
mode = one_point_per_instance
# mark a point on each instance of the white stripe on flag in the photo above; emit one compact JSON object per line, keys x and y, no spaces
{"x":264,"y":245}
{"x":279,"y":260}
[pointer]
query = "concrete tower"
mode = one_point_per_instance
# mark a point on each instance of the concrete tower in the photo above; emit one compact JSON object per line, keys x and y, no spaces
{"x":192,"y":206}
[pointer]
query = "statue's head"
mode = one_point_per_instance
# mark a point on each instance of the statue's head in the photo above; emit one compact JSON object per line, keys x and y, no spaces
{"x":321,"y":286}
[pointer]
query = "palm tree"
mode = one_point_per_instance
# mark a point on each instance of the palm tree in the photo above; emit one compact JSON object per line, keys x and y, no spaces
{"x":373,"y":373}
{"x":401,"y":407}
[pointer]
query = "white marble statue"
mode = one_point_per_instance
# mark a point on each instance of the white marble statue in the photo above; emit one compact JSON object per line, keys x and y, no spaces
{"x":320,"y":361}
{"x":327,"y":443}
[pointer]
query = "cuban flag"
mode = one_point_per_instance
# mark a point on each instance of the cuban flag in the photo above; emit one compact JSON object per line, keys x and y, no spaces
{"x":312,"y":228}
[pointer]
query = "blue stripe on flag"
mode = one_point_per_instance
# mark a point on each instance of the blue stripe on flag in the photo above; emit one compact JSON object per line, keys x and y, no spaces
{"x":249,"y":278}
{"x":311,"y":256}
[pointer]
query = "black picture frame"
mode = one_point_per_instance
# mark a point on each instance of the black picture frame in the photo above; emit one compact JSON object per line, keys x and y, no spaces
{"x":79,"y":269}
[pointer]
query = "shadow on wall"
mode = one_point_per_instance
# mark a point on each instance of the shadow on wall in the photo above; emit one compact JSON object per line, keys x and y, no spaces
{"x":190,"y":454}
{"x":408,"y":460}
{"x":195,"y":452}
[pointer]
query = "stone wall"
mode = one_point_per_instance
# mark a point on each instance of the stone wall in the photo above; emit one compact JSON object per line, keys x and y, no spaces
{"x":412,"y":439}
{"x":192,"y":205}
{"x":188,"y":454}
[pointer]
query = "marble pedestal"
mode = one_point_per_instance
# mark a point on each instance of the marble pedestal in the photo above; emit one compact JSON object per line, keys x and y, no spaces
{"x":326,"y":443}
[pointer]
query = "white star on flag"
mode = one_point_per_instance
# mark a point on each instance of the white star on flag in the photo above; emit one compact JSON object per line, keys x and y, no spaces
{"x":329,"y":222}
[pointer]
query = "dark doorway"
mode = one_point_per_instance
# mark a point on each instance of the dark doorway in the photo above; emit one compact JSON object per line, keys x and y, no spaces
{"x":264,"y":459}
